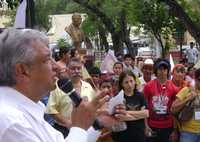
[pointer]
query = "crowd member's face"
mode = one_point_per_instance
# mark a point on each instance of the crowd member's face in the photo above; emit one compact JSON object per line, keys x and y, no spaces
{"x":77,"y":20}
{"x":133,"y":62}
{"x":191,"y":72}
{"x":162,"y":72}
{"x":77,"y":55}
{"x":128,"y":61}
{"x":95,"y":78}
{"x":128,"y":83}
{"x":179,"y":74}
{"x":118,"y":69}
{"x":106,"y":87}
{"x":67,"y":56}
{"x":63,"y":72}
{"x":75,"y":69}
{"x":147,"y":70}
{"x":43,"y":70}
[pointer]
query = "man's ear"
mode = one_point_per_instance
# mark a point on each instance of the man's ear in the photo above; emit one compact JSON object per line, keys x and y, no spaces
{"x":22,"y":70}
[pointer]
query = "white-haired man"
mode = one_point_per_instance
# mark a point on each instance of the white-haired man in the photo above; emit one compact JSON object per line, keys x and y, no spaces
{"x":27,"y":72}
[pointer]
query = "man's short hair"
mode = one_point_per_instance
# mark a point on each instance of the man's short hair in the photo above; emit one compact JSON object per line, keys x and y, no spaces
{"x":95,"y":70}
{"x":128,"y":56}
{"x":118,"y":63}
{"x":74,"y":59}
{"x":63,"y":51}
{"x":16,"y":47}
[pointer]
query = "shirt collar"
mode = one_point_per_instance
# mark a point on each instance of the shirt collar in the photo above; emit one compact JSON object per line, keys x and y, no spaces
{"x":14,"y":98}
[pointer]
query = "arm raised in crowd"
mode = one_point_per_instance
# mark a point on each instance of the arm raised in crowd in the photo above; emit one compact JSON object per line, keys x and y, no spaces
{"x":186,"y":94}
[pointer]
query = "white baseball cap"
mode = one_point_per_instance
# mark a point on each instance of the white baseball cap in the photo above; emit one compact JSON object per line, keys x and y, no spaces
{"x":148,"y":62}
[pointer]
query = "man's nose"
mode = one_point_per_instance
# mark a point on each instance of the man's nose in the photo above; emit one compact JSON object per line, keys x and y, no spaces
{"x":129,"y":83}
{"x":105,"y":89}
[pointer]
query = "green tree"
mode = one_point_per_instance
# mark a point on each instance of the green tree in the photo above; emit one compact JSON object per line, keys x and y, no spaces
{"x":94,"y":28}
{"x":11,"y":3}
{"x":117,"y":16}
{"x":43,"y":9}
{"x":190,"y":17}
{"x":113,"y":16}
{"x":154,"y":17}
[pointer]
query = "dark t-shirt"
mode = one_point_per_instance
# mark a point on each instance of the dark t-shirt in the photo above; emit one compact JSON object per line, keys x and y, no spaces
{"x":135,"y":129}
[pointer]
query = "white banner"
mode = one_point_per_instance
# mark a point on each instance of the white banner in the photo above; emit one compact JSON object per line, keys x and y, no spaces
{"x":20,"y":19}
{"x":108,"y":62}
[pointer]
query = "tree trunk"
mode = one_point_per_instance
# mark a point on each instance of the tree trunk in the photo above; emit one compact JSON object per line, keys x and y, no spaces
{"x":117,"y":43}
{"x":179,"y":12}
{"x":103,"y":38}
{"x":159,"y":38}
{"x":125,"y":33}
{"x":30,"y":14}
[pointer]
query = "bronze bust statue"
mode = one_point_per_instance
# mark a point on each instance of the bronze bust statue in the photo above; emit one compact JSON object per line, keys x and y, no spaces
{"x":75,"y":31}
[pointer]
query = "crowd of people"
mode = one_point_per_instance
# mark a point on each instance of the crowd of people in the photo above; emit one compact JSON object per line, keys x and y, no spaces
{"x":160,"y":104}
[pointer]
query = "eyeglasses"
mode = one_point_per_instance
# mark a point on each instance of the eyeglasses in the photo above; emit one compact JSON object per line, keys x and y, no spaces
{"x":75,"y":68}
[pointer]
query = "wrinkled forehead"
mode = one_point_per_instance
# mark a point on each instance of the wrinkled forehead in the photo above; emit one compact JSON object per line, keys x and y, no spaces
{"x":127,"y":59}
{"x":74,"y":64}
{"x":147,"y":66}
{"x":118,"y":66}
{"x":106,"y":84}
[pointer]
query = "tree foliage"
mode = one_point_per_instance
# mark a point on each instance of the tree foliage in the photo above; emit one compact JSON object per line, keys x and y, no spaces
{"x":11,"y":3}
{"x":162,"y":18}
{"x":154,"y":17}
{"x":42,"y":11}
{"x":178,"y":10}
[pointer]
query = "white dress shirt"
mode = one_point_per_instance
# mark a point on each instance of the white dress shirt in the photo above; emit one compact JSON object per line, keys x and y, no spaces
{"x":21,"y":120}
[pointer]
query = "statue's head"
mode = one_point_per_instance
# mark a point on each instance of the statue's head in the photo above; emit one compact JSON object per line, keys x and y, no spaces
{"x":76,"y":19}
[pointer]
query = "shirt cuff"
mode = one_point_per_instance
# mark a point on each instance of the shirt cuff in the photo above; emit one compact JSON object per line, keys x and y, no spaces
{"x":77,"y":134}
{"x":93,"y":134}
